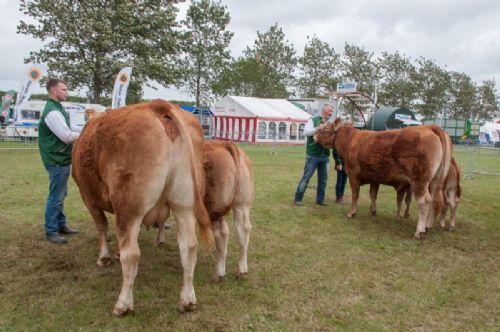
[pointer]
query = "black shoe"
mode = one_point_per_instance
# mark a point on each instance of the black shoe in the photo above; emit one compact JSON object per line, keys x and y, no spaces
{"x":55,"y":238}
{"x":298,"y":203}
{"x":322,"y":204}
{"x":67,"y":231}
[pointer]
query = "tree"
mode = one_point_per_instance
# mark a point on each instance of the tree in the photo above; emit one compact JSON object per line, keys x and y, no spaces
{"x":318,"y":68}
{"x":398,"y":87}
{"x":432,"y":84}
{"x":89,"y":41}
{"x":359,"y":66}
{"x":243,"y":78}
{"x":275,"y":57}
{"x":462,"y":97}
{"x":206,"y":45}
{"x":488,"y":105}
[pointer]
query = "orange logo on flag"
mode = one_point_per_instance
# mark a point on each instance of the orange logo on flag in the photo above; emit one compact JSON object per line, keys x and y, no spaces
{"x":35,"y":74}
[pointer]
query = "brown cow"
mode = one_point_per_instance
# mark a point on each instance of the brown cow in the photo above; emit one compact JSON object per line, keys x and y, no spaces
{"x":138,"y":162}
{"x":403,"y":191}
{"x":417,"y":155}
{"x":228,"y":185}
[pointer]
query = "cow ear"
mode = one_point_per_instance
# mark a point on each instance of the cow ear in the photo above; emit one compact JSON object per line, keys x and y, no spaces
{"x":337,"y":123}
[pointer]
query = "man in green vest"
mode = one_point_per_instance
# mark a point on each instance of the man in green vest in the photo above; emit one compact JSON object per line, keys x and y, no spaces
{"x":317,"y":158}
{"x":55,"y":136}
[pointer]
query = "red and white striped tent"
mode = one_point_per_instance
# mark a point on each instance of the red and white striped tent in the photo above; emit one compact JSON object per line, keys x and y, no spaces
{"x":256,"y":120}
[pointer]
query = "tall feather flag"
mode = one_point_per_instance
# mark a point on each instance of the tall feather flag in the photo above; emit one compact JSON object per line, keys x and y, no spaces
{"x":31,"y":81}
{"x":120,"y":89}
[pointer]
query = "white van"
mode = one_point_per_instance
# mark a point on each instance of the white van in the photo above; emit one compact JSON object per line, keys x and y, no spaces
{"x":30,"y":112}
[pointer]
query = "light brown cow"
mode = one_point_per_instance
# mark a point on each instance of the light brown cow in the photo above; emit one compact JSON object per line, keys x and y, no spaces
{"x":452,"y":192}
{"x":138,"y":162}
{"x":417,"y":155}
{"x":228,"y":185}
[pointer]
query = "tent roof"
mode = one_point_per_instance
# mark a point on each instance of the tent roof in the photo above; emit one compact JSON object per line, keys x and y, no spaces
{"x":270,"y":108}
{"x":288,"y":109}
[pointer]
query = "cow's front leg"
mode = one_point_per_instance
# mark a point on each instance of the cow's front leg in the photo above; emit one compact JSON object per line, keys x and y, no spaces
{"x":399,"y":199}
{"x":408,"y":201}
{"x":355,"y":196}
{"x":186,"y":238}
{"x":129,"y":257}
{"x":160,"y":237}
{"x":373,"y":198}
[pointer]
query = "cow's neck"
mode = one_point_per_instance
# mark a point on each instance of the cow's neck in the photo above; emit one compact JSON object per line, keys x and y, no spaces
{"x":344,"y":137}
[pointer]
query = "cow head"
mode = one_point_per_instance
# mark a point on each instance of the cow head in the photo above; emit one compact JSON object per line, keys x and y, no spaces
{"x":326,"y":135}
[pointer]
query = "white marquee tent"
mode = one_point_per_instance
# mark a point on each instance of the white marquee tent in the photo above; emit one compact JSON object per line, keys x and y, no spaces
{"x":255,"y":120}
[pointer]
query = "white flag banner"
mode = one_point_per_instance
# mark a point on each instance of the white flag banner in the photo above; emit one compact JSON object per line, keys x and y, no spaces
{"x":30,"y":82}
{"x":120,"y":89}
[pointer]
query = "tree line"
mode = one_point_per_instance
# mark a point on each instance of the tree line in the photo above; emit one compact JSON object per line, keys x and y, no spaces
{"x":88,"y":42}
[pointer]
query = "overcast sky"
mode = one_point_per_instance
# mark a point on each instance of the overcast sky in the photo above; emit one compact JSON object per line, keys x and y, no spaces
{"x":463,"y":35}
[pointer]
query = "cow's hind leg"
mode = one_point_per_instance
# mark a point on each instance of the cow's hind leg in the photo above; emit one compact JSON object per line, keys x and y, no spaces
{"x":221,"y":235}
{"x":243,"y":227}
{"x":127,"y":235}
{"x":454,"y":200}
{"x":423,"y":201}
{"x":373,"y":198}
{"x":101,"y":223}
{"x":186,"y":238}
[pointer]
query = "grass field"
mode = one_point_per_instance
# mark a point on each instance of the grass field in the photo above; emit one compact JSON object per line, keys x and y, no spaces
{"x":310,"y":268}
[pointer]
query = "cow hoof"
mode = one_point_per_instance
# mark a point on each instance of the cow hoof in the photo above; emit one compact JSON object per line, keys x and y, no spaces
{"x":217,"y":278}
{"x":451,"y":228}
{"x":187,"y":307}
{"x":241,"y":275}
{"x":350,"y":215}
{"x":419,"y":235}
{"x":121,"y":311}
{"x":160,"y":244}
{"x":117,"y":256}
{"x":104,"y":261}
{"x":373,"y":213}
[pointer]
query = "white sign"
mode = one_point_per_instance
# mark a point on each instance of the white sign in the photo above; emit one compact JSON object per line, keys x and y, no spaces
{"x":120,"y":89}
{"x":402,"y":116}
{"x":347,"y":87}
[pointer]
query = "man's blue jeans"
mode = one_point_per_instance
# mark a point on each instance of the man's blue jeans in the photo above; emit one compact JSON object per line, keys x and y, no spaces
{"x":341,"y":181}
{"x":313,"y":163}
{"x":58,"y":189}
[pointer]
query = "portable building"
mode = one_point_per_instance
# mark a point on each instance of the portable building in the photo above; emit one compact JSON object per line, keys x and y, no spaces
{"x":256,"y":120}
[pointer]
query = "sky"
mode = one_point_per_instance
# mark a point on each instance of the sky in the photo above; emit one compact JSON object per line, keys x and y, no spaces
{"x":459,"y":35}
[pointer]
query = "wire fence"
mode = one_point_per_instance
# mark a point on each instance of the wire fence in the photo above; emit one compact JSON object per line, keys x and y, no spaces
{"x":474,"y":159}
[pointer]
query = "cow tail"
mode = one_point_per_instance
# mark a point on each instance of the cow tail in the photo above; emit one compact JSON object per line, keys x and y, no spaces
{"x":443,"y":169}
{"x":206,"y":235}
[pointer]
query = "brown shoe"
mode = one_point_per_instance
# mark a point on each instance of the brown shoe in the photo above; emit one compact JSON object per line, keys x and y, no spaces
{"x":65,"y":230}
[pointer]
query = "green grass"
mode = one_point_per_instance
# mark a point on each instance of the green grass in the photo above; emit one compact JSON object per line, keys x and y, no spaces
{"x":309,"y":268}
